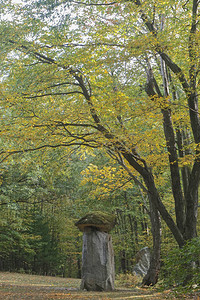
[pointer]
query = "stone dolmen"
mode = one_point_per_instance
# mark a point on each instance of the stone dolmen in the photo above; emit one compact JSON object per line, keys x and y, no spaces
{"x":98,"y":272}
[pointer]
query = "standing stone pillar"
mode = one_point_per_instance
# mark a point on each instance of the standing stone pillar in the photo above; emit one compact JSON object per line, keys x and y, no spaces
{"x":98,"y":272}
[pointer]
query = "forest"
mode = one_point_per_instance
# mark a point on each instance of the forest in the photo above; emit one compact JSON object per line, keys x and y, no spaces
{"x":99,"y":112}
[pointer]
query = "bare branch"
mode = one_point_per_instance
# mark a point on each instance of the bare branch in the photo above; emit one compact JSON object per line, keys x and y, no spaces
{"x":70,"y":45}
{"x":9,"y":153}
{"x":61,"y":124}
{"x":54,"y":94}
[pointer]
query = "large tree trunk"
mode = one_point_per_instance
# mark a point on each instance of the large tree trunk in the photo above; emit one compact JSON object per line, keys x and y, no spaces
{"x":152,"y":191}
{"x":192,"y":202}
{"x":190,"y":89}
{"x":151,"y":277}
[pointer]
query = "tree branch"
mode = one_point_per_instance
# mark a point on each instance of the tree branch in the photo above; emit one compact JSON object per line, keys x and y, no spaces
{"x":94,"y":4}
{"x":54,"y":94}
{"x":120,"y":160}
{"x":9,"y":153}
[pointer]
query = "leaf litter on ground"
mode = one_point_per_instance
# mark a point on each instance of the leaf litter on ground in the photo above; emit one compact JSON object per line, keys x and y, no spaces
{"x":18,"y":286}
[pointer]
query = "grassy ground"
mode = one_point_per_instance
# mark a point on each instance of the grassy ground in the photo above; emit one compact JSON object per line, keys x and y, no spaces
{"x":22,"y":286}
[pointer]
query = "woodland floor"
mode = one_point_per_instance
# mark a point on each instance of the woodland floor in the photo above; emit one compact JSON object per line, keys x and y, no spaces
{"x":22,"y":286}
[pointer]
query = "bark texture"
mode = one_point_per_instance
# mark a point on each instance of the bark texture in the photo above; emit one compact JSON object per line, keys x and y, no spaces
{"x":151,"y":278}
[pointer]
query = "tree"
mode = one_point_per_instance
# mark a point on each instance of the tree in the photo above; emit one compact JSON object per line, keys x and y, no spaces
{"x":62,"y":89}
{"x":38,"y":211}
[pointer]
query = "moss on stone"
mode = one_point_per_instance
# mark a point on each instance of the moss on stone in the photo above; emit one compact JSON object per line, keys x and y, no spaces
{"x":99,"y":220}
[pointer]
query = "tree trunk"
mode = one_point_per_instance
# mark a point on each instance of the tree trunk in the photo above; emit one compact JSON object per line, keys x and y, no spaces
{"x":192,"y":202}
{"x":181,"y":142}
{"x":151,"y":277}
{"x":152,"y":191}
{"x":155,"y":198}
{"x":174,"y":169}
{"x":123,"y":261}
{"x":78,"y":267}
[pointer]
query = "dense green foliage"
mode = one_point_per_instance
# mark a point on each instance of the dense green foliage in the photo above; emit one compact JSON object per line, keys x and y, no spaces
{"x":180,"y":266}
{"x":40,"y":205}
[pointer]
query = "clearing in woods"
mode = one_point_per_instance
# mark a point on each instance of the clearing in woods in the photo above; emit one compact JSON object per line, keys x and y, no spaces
{"x":23,"y":286}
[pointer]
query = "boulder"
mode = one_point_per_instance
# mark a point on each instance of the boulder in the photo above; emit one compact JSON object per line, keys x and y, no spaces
{"x":143,"y":262}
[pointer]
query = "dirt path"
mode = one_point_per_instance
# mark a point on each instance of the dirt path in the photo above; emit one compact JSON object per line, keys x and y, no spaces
{"x":22,"y":286}
{"x":33,"y":292}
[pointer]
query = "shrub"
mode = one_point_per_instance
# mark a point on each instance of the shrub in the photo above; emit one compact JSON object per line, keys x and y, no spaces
{"x":181,"y":266}
{"x":128,"y":280}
